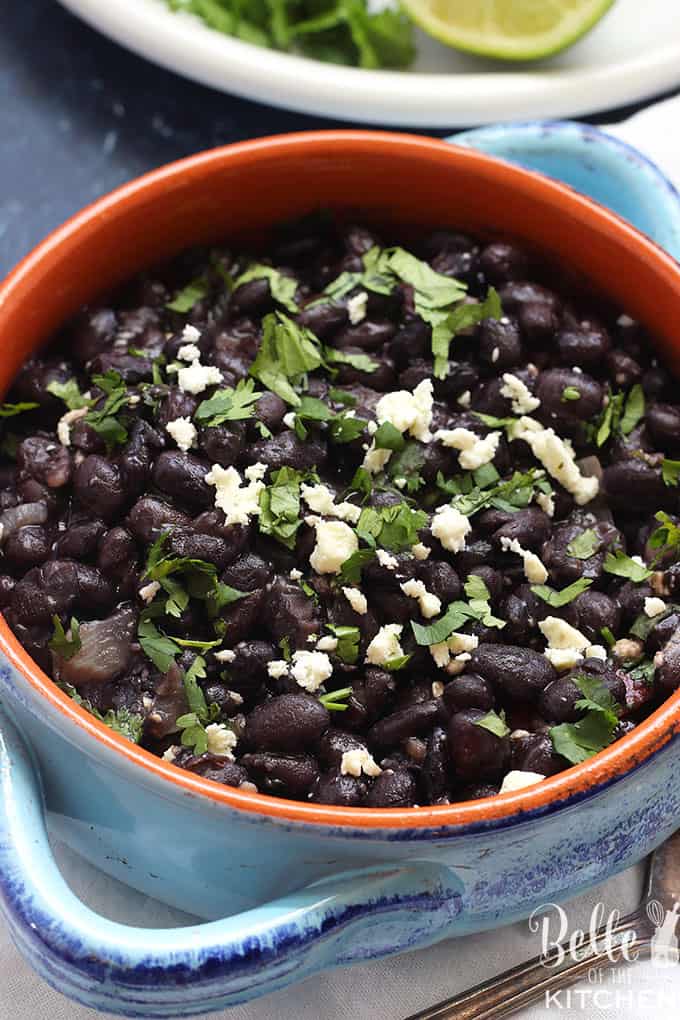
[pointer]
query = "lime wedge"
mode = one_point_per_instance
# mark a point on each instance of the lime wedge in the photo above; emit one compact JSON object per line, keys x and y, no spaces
{"x":507,"y":29}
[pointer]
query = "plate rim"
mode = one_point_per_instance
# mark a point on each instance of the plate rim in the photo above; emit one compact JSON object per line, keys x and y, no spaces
{"x":313,"y":87}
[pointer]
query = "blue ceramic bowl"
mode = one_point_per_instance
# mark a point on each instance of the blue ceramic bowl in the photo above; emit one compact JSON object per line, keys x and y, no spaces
{"x":301,"y":889}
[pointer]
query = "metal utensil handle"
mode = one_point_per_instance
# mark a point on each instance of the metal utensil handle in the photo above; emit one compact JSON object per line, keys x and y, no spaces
{"x":529,"y":982}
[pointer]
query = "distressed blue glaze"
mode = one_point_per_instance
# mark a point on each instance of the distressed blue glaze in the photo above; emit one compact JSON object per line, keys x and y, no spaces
{"x":594,"y":163}
{"x":283,"y":900}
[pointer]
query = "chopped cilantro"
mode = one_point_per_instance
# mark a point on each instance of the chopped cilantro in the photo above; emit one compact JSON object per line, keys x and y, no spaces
{"x":608,"y":637}
{"x":287,"y":352}
{"x":12,"y":410}
{"x":127,"y":724}
{"x":350,"y":571}
{"x":345,"y":428}
{"x":341,"y":397}
{"x":192,"y":725}
{"x":388,"y":437}
{"x":670,"y":471}
{"x":104,"y":420}
{"x":492,"y":422}
{"x":624,"y":566}
{"x":494,"y":723}
{"x":667,"y":537}
{"x":280,"y":506}
{"x":361,"y":362}
{"x":228,"y":405}
{"x":455,"y":617}
{"x":310,"y":409}
{"x":407,"y":463}
{"x":475,"y":588}
{"x":282,"y":288}
{"x":156,"y":646}
{"x":557,"y":599}
{"x":200,"y":577}
{"x":392,"y":527}
{"x":620,"y":415}
{"x":348,"y":643}
{"x":185,"y":299}
{"x":65,"y":644}
{"x":401,"y":662}
{"x":69,"y":392}
{"x":581,"y":740}
{"x":361,"y":483}
{"x":633,"y":411}
{"x":570,"y":393}
{"x":585,"y":545}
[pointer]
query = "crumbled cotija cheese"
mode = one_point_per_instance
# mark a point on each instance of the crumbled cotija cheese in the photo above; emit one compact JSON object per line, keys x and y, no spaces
{"x":557,"y":458}
{"x":359,"y":760}
{"x":450,"y":527}
{"x":523,"y":400}
{"x":327,"y":644}
{"x":310,"y":669}
{"x":566,"y":644}
{"x":474,"y":451}
{"x":546,"y":502}
{"x":335,"y":543}
{"x":255,"y":472}
{"x":183,"y":431}
{"x":237,"y":501}
{"x":195,"y":378}
{"x":654,"y":606}
{"x":534,"y":569}
{"x":420,"y":551}
{"x":357,"y":600}
{"x":321,"y":500}
{"x":409,"y":412}
{"x":277,"y":668}
{"x":429,"y":604}
{"x":221,"y":740}
{"x":465,"y":398}
{"x":356,"y":308}
{"x":385,"y":645}
{"x":65,"y":422}
{"x":453,"y":653}
{"x":295,"y":574}
{"x":149,"y":591}
{"x":386,"y":559}
{"x":520,"y":780}
{"x":226,"y":655}
{"x":375,"y":460}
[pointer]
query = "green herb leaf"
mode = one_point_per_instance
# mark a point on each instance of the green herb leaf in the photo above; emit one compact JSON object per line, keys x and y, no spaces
{"x":670,"y":471}
{"x":579,"y":741}
{"x":494,"y":723}
{"x":395,"y":665}
{"x":608,"y":637}
{"x":350,"y":571}
{"x":334,"y":700}
{"x":361,"y":362}
{"x":393,"y":527}
{"x":596,"y":697}
{"x":12,"y":410}
{"x":185,"y":299}
{"x":388,"y":437}
{"x":407,"y":463}
{"x":633,"y":411}
{"x":557,"y":599}
{"x":160,"y":649}
{"x":228,"y":405}
{"x":492,"y":422}
{"x":475,"y":588}
{"x":65,"y":644}
{"x":348,"y":643}
{"x":280,"y":506}
{"x":462,"y":317}
{"x":282,"y":288}
{"x":346,"y":428}
{"x":455,"y":617}
{"x":570,"y":393}
{"x":287,"y":352}
{"x":103,"y":420}
{"x":623,"y":566}
{"x":69,"y":392}
{"x":585,"y":545}
{"x":126,"y":723}
{"x":667,"y":537}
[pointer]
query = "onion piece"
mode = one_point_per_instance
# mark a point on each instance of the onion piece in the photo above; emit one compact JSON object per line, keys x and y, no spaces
{"x":169,"y":704}
{"x":104,"y":653}
{"x":20,"y":516}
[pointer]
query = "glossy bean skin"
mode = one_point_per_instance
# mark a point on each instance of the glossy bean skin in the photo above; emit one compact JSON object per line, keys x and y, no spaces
{"x":405,"y":722}
{"x":284,"y":775}
{"x":339,"y":790}
{"x":475,"y":752}
{"x":519,"y":672}
{"x":182,"y":476}
{"x":392,"y":789}
{"x":469,"y":690}
{"x":290,"y":722}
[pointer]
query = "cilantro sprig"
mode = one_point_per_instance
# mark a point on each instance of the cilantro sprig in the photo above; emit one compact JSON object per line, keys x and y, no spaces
{"x":228,"y":405}
{"x":581,"y":740}
{"x":556,"y":598}
{"x":63,"y":643}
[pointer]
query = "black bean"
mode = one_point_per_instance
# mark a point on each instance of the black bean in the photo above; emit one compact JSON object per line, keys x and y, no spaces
{"x":270,"y":410}
{"x":553,"y":389}
{"x":183,"y":476}
{"x":99,"y":487}
{"x":369,"y":335}
{"x":176,"y":404}
{"x":325,"y":319}
{"x":333,"y":744}
{"x":241,"y":617}
{"x":410,"y":342}
{"x":247,"y":573}
{"x":530,"y":527}
{"x":477,"y":791}
{"x":519,"y":672}
{"x":663,"y":421}
{"x":381,"y":376}
{"x":501,"y":262}
{"x":197,"y":546}
{"x":406,"y":722}
{"x":392,"y":789}
{"x":249,"y":666}
{"x":434,"y":775}
{"x":80,"y":540}
{"x":535,"y":753}
{"x":340,"y":790}
{"x":635,"y":475}
{"x":667,"y":676}
{"x":493,"y":580}
{"x":6,"y":590}
{"x":583,"y":347}
{"x":28,"y":547}
{"x":130,"y":368}
{"x":291,"y":614}
{"x":220,"y":770}
{"x":93,"y":332}
{"x":591,"y":611}
{"x":440,"y":579}
{"x":116,"y":546}
{"x":468,"y":690}
{"x":370,"y":699}
{"x":45,"y":461}
{"x":476,"y":753}
{"x":224,"y":444}
{"x":500,"y":344}
{"x":150,"y":516}
{"x":287,"y":450}
{"x":284,"y":775}
{"x":291,"y":722}
{"x":624,"y":370}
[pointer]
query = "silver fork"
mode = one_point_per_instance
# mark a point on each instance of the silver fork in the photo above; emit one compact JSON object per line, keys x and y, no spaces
{"x":529,"y":982}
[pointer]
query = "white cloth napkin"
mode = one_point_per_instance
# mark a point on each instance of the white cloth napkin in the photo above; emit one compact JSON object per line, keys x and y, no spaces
{"x":395,"y":988}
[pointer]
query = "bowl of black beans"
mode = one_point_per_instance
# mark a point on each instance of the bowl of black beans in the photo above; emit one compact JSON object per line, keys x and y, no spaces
{"x":340,"y":473}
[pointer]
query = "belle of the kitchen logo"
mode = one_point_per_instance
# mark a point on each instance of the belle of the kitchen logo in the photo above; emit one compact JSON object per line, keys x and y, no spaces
{"x":603,"y":937}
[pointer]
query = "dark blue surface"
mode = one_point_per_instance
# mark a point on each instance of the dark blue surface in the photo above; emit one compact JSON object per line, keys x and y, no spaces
{"x":79,"y":115}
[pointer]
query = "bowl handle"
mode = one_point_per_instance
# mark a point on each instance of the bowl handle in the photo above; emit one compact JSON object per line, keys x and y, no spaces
{"x":360,"y":914}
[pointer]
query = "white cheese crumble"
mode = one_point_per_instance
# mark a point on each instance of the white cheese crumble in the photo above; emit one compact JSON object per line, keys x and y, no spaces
{"x":277,"y":668}
{"x":465,"y":399}
{"x":195,"y":378}
{"x":295,"y":574}
{"x":289,"y":420}
{"x":557,"y":458}
{"x":237,"y":501}
{"x":534,"y":569}
{"x":256,"y":472}
{"x":437,"y":688}
{"x":520,"y":780}
{"x":190,"y":334}
{"x":327,"y":644}
{"x":495,"y":354}
{"x":357,"y":600}
{"x":356,"y":308}
{"x":420,"y":551}
{"x":171,"y":753}
{"x":522,"y":399}
{"x":450,"y":527}
{"x":429,"y":604}
{"x":385,"y":645}
{"x":375,"y":460}
{"x":596,"y":652}
{"x":310,"y":669}
{"x":221,"y":740}
{"x":149,"y":591}
{"x":183,"y":431}
{"x":386,"y":559}
{"x":566,"y":644}
{"x":321,"y":500}
{"x":225,"y":655}
{"x":474,"y":451}
{"x":546,"y":502}
{"x":65,"y":422}
{"x":359,"y":760}
{"x":409,"y":412}
{"x":335,"y":543}
{"x":453,"y":653}
{"x":654,"y":606}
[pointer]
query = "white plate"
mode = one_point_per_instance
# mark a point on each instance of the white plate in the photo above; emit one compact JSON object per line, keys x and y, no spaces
{"x":634,"y":53}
